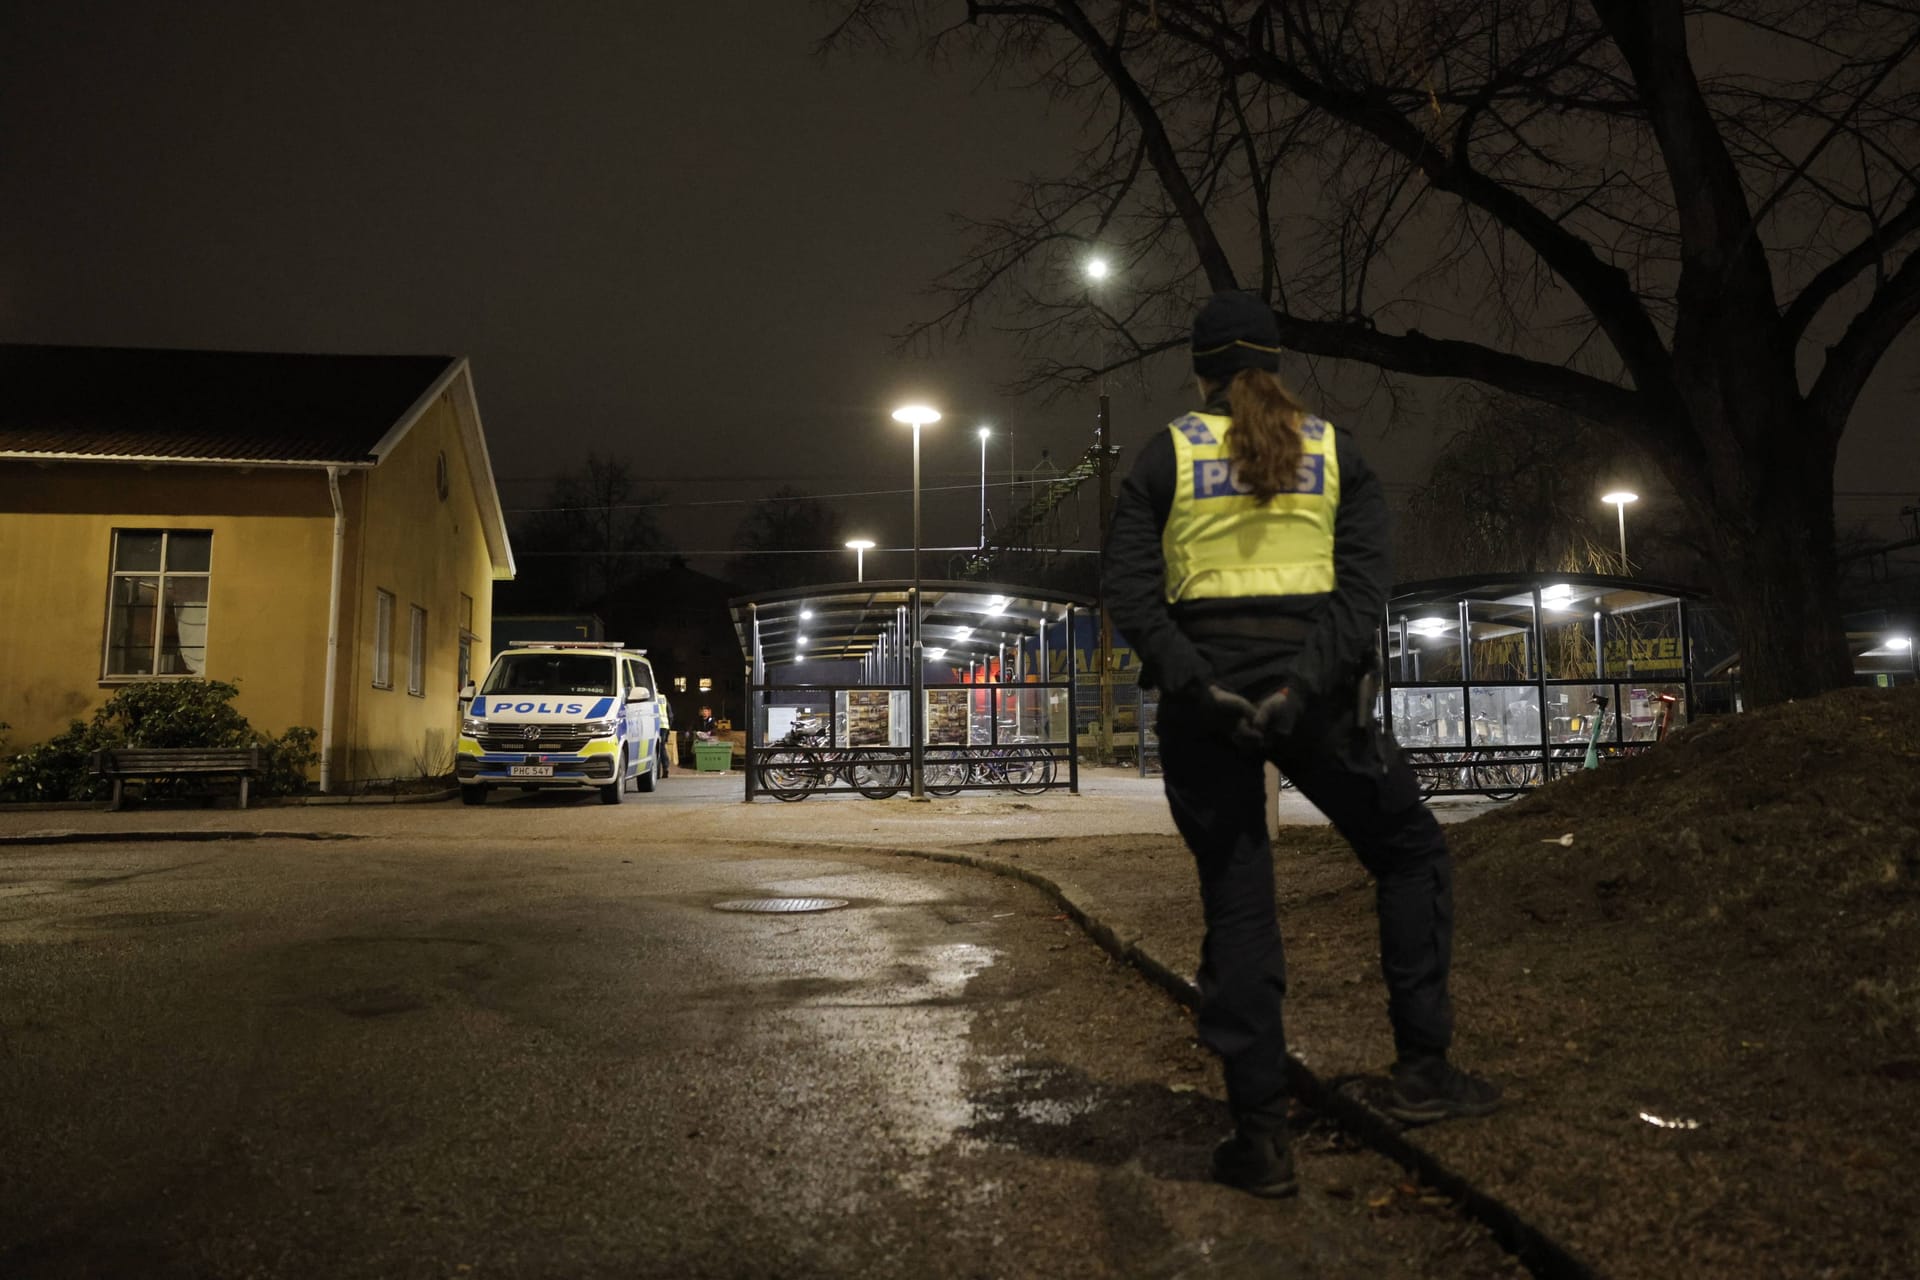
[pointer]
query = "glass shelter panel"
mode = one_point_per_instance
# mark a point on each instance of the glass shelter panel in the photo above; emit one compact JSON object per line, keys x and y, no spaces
{"x":1501,"y":640}
{"x":1432,"y":653}
{"x":1570,"y":711}
{"x":1567,"y":643}
{"x":1506,"y":715}
{"x":1648,"y":706}
{"x":1429,"y":717}
{"x":1643,"y":641}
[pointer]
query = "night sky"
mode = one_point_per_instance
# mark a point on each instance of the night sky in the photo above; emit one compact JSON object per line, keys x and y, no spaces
{"x":670,"y":232}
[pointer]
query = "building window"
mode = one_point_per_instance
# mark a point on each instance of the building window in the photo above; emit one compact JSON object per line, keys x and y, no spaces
{"x":679,"y":684}
{"x":706,"y":685}
{"x":466,"y":640}
{"x":157,"y":607}
{"x":416,"y":651}
{"x":383,"y":639}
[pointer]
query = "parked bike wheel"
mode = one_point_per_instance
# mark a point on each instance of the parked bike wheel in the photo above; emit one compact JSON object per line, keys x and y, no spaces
{"x":878,"y":781}
{"x":946,"y":773}
{"x":1505,"y":779}
{"x":1030,"y":777}
{"x":788,"y":774}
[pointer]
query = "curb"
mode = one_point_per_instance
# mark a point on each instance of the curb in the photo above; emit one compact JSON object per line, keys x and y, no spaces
{"x":163,"y":837}
{"x":1538,"y":1252}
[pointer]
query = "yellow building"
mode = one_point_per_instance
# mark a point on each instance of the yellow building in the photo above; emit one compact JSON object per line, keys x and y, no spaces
{"x":321,"y":531}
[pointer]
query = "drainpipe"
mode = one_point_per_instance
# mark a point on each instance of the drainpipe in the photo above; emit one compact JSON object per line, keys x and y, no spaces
{"x":333,"y":629}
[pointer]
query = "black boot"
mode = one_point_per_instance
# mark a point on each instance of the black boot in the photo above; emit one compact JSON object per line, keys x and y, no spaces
{"x":1431,"y":1088}
{"x":1257,"y":1158}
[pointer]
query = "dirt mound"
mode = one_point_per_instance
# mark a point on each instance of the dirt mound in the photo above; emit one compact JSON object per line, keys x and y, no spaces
{"x":1705,"y":1004}
{"x":1793,"y":831}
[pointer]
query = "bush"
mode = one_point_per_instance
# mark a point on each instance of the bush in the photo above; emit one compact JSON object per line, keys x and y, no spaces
{"x":158,"y":713}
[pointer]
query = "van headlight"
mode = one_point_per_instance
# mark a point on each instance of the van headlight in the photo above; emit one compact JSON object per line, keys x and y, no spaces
{"x":472,"y":727}
{"x":602,"y":728}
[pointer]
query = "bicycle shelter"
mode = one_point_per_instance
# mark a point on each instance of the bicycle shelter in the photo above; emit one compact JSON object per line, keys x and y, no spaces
{"x":1491,"y":684}
{"x":831,"y":689}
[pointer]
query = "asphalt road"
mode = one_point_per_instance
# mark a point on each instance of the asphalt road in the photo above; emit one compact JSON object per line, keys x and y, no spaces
{"x":418,"y":1057}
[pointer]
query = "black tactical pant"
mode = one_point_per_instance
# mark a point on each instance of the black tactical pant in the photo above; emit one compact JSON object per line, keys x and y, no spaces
{"x":1358,"y":780}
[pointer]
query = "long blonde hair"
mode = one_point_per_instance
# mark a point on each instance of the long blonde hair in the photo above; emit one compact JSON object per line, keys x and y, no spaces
{"x":1265,"y":444}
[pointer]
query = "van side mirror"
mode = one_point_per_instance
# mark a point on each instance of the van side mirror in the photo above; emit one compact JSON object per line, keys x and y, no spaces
{"x":468,"y":690}
{"x":639,"y":695}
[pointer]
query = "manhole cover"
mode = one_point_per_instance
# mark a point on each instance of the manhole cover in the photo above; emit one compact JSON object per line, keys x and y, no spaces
{"x":780,"y":906}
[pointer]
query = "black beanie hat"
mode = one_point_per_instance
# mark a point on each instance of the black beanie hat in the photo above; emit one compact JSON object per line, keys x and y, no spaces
{"x":1234,"y":331}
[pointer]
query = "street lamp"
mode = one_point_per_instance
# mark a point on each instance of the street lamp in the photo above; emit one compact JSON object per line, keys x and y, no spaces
{"x":984,"y":433}
{"x":917,"y":416}
{"x":1620,"y":498}
{"x":1097,"y":272}
{"x":860,"y":547}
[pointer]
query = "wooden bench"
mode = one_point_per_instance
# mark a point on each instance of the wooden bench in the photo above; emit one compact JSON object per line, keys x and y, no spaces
{"x":121,"y":763}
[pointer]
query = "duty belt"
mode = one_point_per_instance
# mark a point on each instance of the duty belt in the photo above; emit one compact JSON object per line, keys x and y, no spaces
{"x":1287,"y":630}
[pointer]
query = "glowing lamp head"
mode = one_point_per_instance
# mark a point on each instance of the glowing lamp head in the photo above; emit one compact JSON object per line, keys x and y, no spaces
{"x":1619,"y":497}
{"x":1097,"y":268}
{"x":916,"y":415}
{"x":860,"y":544}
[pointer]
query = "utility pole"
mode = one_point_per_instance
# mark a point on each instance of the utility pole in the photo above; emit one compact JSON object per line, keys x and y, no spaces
{"x":1105,"y":441}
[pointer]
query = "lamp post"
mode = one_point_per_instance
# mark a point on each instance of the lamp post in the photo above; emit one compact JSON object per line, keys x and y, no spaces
{"x":1620,"y":498}
{"x":860,"y":547}
{"x":917,"y":416}
{"x":1097,"y":272}
{"x":984,"y":433}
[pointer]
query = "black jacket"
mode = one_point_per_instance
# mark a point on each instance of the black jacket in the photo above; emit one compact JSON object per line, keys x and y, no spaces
{"x":1342,"y":622}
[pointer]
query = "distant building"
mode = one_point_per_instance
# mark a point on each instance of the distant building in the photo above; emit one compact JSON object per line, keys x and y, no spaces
{"x":299,"y":525}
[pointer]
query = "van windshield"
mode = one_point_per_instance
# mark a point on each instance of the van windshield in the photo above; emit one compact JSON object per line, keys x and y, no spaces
{"x":552,"y":673}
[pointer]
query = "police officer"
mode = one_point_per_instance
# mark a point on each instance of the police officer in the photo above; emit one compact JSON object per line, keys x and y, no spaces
{"x":1247,"y":563}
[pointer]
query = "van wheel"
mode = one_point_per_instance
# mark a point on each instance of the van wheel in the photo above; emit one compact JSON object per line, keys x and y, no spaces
{"x":644,"y":782}
{"x":614,"y":791}
{"x":473,"y":795}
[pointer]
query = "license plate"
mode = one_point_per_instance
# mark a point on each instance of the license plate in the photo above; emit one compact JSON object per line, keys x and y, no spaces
{"x":530,"y":771}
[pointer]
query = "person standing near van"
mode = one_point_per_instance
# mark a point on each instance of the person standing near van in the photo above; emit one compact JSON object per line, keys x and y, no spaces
{"x":1248,"y":564}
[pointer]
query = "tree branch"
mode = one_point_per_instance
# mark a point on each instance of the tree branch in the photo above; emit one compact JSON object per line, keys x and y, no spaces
{"x":1850,"y":361}
{"x":1604,"y":289}
{"x":1414,"y":352}
{"x":1839,"y":273}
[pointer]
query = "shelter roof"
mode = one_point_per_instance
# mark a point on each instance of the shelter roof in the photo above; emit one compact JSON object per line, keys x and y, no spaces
{"x":1514,"y":591}
{"x":845,"y":620}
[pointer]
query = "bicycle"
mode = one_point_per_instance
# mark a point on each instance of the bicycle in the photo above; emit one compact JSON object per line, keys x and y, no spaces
{"x":805,"y":761}
{"x":1014,"y":766}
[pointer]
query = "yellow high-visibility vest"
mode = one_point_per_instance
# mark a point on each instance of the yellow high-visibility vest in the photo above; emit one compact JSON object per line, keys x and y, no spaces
{"x":1220,"y":543}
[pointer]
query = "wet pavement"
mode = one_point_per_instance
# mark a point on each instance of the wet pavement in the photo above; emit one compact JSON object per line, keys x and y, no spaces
{"x":464,"y":1053}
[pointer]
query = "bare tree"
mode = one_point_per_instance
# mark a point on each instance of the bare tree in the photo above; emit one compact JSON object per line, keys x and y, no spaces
{"x":1689,"y":221}
{"x":591,"y":536}
{"x":789,"y":539}
{"x":1513,"y":491}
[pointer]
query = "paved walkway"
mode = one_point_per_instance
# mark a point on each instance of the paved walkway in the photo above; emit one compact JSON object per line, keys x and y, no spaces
{"x":1128,"y":886}
{"x":692,"y":806}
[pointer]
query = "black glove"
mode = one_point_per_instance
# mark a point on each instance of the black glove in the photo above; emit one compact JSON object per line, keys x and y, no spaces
{"x":1276,"y":716}
{"x":1228,"y":714}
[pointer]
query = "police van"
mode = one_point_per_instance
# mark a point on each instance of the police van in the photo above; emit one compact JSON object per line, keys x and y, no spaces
{"x":571,"y":715}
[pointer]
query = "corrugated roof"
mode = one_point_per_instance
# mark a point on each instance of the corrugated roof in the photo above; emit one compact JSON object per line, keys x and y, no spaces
{"x":239,"y":406}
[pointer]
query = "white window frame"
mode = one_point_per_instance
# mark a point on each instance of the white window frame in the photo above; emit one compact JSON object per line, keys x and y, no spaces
{"x":161,"y":574}
{"x":382,"y":638}
{"x":416,"y":651}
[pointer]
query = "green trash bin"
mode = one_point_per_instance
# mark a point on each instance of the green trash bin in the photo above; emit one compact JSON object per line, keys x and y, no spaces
{"x":712,"y":757}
